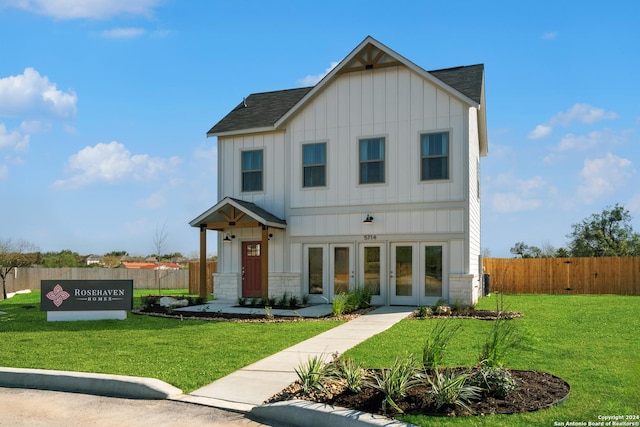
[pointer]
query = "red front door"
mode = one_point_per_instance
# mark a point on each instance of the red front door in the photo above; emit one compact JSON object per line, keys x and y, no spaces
{"x":251,"y":270}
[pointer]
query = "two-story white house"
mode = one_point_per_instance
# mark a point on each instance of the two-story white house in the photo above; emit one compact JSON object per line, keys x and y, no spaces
{"x":369,"y":178}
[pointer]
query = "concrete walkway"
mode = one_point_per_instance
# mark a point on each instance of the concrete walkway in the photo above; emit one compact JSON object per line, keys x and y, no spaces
{"x":249,"y":387}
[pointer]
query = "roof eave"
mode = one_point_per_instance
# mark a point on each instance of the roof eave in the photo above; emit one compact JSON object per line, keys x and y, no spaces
{"x":242,"y":131}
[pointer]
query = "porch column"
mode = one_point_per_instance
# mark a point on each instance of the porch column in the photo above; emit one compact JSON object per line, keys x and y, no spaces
{"x":203,"y":261}
{"x":264,"y":265}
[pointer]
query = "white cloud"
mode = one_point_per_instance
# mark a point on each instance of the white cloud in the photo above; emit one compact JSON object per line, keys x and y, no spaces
{"x":123,"y":33}
{"x":603,"y":176}
{"x":154,"y":201}
{"x":550,"y":35}
{"x":582,"y":113}
{"x":79,"y":9}
{"x":13,"y":140}
{"x":606,"y":137}
{"x":579,"y":113}
{"x":112,"y":163}
{"x":522,"y":194}
{"x":30,"y":94}
{"x":312,"y":80}
{"x":4,"y":172}
{"x":541,"y":131}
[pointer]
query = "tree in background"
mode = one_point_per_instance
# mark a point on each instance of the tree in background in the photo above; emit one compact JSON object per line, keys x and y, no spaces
{"x":64,"y":258}
{"x":14,"y":254}
{"x":605,"y":234}
{"x":526,"y":251}
{"x":160,"y":240}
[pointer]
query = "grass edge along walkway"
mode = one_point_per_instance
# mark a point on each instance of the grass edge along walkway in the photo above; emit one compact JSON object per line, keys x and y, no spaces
{"x":187,"y":354}
{"x":590,"y":341}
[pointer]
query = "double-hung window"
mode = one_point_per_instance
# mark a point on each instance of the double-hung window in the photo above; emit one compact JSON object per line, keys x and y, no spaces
{"x":434,"y":156}
{"x":314,"y":165}
{"x":252,"y":170}
{"x":372,"y":156}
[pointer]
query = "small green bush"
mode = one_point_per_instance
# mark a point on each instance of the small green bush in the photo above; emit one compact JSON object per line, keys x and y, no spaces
{"x":394,"y":382}
{"x":494,"y":381}
{"x":312,"y":373}
{"x":352,"y":372}
{"x":424,"y":311}
{"x":449,"y":389}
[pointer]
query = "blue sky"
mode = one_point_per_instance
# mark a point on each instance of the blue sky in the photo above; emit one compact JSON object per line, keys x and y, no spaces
{"x":104,"y":106}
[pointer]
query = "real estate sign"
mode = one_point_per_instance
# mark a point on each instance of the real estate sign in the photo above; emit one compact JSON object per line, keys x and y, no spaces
{"x":86,"y":299}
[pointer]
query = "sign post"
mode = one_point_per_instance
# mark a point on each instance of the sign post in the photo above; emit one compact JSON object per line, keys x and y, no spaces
{"x":86,"y":299}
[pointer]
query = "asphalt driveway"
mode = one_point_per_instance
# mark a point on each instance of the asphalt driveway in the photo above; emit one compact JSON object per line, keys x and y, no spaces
{"x":43,"y":408}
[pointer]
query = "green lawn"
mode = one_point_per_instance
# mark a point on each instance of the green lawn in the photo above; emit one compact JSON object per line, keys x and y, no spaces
{"x":592,"y":342}
{"x":187,"y":354}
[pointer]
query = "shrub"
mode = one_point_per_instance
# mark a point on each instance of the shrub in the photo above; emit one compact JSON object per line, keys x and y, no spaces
{"x":242,"y":301}
{"x":436,"y":343}
{"x":448,"y":389}
{"x":360,"y":298}
{"x":494,"y":381}
{"x":424,"y":311}
{"x":293,"y":301}
{"x":396,"y":381}
{"x":313,"y":373}
{"x":339,"y":304}
{"x":352,"y":372}
{"x":149,"y":301}
{"x":283,"y":301}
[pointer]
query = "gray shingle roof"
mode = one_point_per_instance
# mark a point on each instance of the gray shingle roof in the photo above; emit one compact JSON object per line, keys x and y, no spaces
{"x":261,"y":110}
{"x":467,"y":80}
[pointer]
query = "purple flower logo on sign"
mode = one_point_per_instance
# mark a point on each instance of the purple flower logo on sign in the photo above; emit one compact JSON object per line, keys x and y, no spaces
{"x":58,"y":295}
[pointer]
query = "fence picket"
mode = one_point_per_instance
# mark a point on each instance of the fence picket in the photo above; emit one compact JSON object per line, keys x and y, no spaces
{"x":601,"y":275}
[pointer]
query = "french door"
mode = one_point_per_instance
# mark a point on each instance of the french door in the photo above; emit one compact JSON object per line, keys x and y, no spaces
{"x":403,"y":272}
{"x":341,"y":269}
{"x":373,"y":271}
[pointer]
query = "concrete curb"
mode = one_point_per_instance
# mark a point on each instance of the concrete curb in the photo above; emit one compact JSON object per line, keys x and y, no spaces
{"x":302,"y":413}
{"x":89,"y":383}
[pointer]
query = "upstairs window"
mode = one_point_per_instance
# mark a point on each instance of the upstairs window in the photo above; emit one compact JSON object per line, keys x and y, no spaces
{"x":252,"y":170}
{"x":434,"y":156}
{"x":372,"y":161}
{"x":314,"y":165}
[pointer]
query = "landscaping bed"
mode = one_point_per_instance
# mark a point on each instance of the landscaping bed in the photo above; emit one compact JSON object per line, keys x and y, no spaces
{"x":535,"y":390}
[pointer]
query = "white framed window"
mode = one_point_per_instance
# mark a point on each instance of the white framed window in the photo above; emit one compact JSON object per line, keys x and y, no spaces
{"x":252,"y":170}
{"x":372,"y":158}
{"x":434,"y":156}
{"x":314,"y":165}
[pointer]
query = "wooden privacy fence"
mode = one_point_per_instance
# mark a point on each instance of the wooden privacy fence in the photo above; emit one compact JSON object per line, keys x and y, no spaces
{"x":29,"y":278}
{"x":601,"y":275}
{"x":194,"y":276}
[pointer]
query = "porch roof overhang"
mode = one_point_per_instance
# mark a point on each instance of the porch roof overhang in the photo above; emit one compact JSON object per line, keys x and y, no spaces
{"x":230,"y":213}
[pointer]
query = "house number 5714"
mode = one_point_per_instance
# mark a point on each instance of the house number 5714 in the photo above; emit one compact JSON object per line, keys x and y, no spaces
{"x":370,"y":237}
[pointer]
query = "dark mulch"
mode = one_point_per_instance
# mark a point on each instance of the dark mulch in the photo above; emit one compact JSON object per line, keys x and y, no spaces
{"x":536,"y":390}
{"x":239,"y":317}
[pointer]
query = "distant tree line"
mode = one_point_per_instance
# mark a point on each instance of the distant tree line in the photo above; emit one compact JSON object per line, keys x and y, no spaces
{"x":608,"y":233}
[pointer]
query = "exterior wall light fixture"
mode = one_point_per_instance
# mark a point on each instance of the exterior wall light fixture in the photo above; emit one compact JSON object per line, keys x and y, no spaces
{"x":368,"y":219}
{"x":228,"y":237}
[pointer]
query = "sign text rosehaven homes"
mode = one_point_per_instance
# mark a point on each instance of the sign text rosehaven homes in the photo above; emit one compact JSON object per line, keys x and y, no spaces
{"x":86,"y":295}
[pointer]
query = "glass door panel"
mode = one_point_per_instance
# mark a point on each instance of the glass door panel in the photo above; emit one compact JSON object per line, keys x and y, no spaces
{"x":342,"y":269}
{"x":403,"y":274}
{"x":433,"y":278}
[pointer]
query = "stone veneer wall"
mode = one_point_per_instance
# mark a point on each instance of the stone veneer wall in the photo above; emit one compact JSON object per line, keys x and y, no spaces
{"x":228,"y":286}
{"x":463,"y":288}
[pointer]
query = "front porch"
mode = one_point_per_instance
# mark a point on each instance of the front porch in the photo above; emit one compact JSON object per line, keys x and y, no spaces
{"x":229,"y":217}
